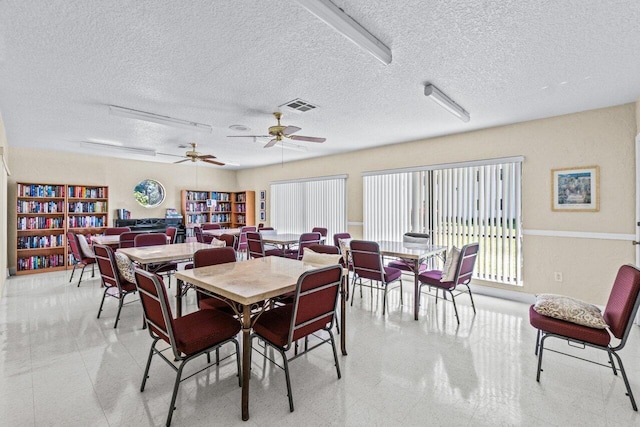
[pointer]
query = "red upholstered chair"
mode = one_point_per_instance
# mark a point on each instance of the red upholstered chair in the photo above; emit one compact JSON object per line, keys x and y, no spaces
{"x":230,"y":240}
{"x":171,"y":232}
{"x":127,"y":239}
{"x":156,"y":239}
{"x":260,"y":226}
{"x":367,"y":265}
{"x":338,"y":236}
{"x":210,"y":226}
{"x":313,"y":310}
{"x":116,"y":231}
{"x":200,"y":236}
{"x":115,"y":284}
{"x":618,"y":315}
{"x":242,"y":239}
{"x":322,"y":231}
{"x":80,"y":259}
{"x":213,"y":256}
{"x":255,"y":246}
{"x":306,"y":239}
{"x":464,"y":271}
{"x":189,"y":336}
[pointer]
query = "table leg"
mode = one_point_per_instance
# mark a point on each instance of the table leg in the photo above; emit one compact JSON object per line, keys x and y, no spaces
{"x":179,"y":298}
{"x":246,"y":357}
{"x":343,"y":314}
{"x":416,"y":292}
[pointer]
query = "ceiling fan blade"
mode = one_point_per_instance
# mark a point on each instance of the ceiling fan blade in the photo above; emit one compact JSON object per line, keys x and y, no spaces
{"x":271,"y":143}
{"x":181,"y":161}
{"x":290,"y":129}
{"x":213,"y":162}
{"x":307,"y":138}
{"x":206,"y":156}
{"x":248,"y":136}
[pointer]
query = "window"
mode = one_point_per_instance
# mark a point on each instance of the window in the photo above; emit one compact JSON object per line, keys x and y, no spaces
{"x":456,"y":204}
{"x":298,"y":206}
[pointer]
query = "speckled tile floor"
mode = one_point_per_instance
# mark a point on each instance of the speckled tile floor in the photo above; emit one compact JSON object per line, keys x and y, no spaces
{"x":59,"y":365}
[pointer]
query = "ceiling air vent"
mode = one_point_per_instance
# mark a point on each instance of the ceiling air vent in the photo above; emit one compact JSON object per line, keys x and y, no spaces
{"x":298,"y":105}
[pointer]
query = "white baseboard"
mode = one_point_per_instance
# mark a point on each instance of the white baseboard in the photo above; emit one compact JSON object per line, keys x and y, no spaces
{"x":503,"y":293}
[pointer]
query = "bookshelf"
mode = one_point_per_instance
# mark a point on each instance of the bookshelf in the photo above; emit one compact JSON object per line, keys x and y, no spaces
{"x":229,"y":209}
{"x":45,"y":212}
{"x":243,"y":209}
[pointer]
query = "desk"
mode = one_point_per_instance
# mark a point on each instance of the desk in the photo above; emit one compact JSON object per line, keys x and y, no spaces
{"x":248,"y":283}
{"x":412,"y":253}
{"x":221,"y":231}
{"x":146,"y":255}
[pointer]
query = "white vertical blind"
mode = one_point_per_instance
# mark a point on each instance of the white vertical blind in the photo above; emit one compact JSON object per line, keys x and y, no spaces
{"x":298,"y":206}
{"x":456,"y":205}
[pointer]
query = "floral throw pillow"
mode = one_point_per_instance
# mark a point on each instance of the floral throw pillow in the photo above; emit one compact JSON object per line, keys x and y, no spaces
{"x":569,"y":309}
{"x":125,"y":267}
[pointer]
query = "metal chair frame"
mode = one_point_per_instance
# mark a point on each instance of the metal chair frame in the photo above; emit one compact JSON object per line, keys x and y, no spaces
{"x":78,"y":259}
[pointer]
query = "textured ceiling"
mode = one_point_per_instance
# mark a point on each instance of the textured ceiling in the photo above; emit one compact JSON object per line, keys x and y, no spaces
{"x":234,"y":62}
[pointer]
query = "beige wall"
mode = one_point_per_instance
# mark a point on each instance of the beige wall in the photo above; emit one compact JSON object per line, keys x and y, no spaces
{"x":3,"y":203}
{"x":120,"y":175}
{"x":602,"y":137}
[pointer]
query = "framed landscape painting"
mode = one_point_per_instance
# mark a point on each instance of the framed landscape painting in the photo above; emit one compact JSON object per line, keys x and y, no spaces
{"x":575,"y":189}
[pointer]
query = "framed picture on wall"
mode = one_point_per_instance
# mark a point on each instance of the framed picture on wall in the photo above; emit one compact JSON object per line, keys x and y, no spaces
{"x":575,"y":189}
{"x":262,"y":205}
{"x":263,"y":216}
{"x":263,"y":195}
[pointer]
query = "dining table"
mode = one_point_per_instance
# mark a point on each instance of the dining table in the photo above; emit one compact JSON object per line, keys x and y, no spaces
{"x":220,"y":231}
{"x":111,"y":240}
{"x":280,"y":240}
{"x":177,"y":252}
{"x":249,"y":287}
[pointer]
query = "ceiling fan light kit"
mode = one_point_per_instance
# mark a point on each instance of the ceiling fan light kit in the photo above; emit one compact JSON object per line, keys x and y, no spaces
{"x":445,"y":102}
{"x":335,"y":17}
{"x":130,"y":113}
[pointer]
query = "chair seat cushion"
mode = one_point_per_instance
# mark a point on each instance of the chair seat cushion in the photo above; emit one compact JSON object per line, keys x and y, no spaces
{"x":571,"y":330}
{"x":272,"y":252}
{"x":406,"y":266}
{"x":274,"y":325}
{"x":391,"y":274}
{"x":569,"y":309}
{"x":203,"y":329}
{"x":433,"y":278}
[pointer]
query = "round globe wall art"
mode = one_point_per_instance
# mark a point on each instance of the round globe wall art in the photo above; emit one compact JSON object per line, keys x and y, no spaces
{"x":149,"y":193}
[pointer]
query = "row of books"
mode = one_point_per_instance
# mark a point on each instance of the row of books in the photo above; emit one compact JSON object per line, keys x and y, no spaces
{"x":221,"y":197}
{"x":222,"y":207}
{"x":198,"y":218}
{"x":37,"y":190}
{"x":81,"y":192}
{"x":197,"y":195}
{"x":197,"y":207}
{"x":220,"y":218}
{"x":80,"y":207}
{"x":38,"y":222}
{"x":40,"y":261}
{"x":33,"y":242}
{"x":241,"y":198}
{"x":86,"y":221}
{"x":241,"y":208}
{"x":242,"y":219}
{"x":40,"y":207}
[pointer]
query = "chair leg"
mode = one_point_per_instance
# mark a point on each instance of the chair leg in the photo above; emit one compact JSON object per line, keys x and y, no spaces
{"x":455,"y":308}
{"x":238,"y":361}
{"x":540,"y":351}
{"x":176,"y":386}
{"x":335,"y":354}
{"x":384,"y":299}
{"x":81,"y":273}
{"x":72,"y":272}
{"x":93,"y":270}
{"x":471,"y":296}
{"x":102,"y":302}
{"x":613,"y":365}
{"x":146,"y":370}
{"x":285,"y":364}
{"x":120,"y":303}
{"x":218,"y":356}
{"x":538,"y":341}
{"x":353,"y":289}
{"x":626,"y":381}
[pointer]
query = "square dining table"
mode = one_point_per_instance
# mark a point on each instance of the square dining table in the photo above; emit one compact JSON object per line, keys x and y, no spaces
{"x":220,"y":231}
{"x":146,"y":255}
{"x":244,"y":285}
{"x":412,"y":253}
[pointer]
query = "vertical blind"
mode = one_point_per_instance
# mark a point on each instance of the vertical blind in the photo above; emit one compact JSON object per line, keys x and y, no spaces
{"x":455,"y":204}
{"x":298,"y":206}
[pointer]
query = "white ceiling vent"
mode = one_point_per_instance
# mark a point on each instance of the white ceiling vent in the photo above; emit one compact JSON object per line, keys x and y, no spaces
{"x":299,"y":106}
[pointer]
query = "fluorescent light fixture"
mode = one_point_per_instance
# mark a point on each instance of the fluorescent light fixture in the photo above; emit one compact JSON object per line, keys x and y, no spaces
{"x":143,"y":151}
{"x":335,"y":17}
{"x":114,"y":110}
{"x":445,"y":102}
